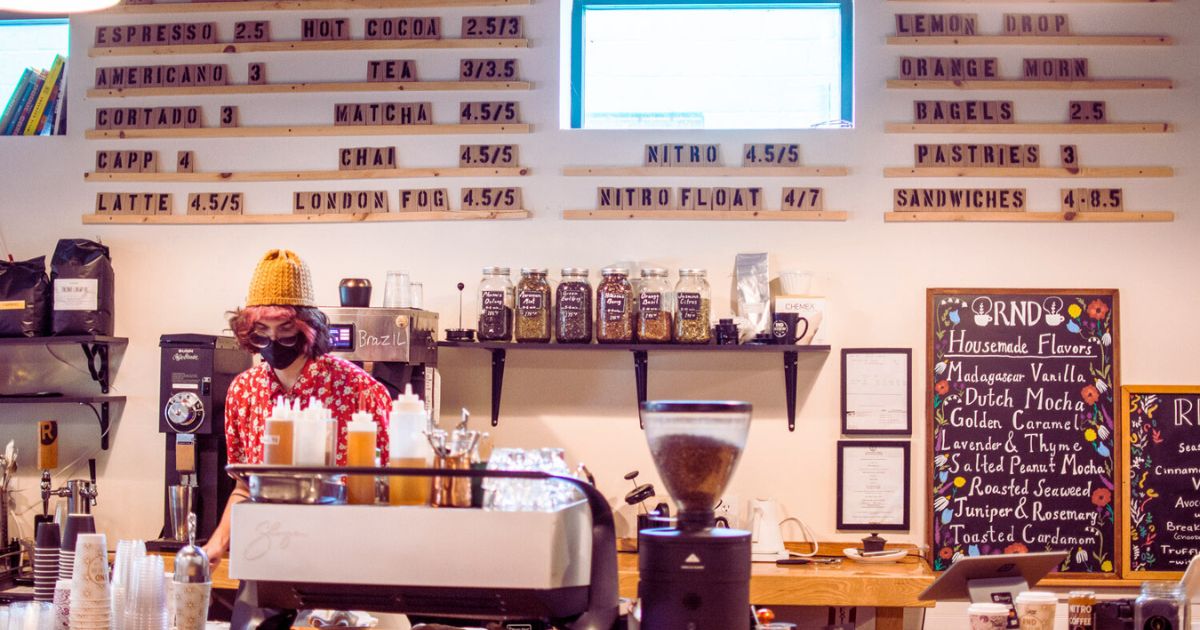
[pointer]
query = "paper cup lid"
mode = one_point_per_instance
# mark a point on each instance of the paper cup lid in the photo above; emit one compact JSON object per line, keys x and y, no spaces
{"x":984,"y":608}
{"x":1036,"y":597}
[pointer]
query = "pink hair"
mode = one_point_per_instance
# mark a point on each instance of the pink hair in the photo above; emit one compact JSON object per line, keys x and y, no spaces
{"x":308,"y":320}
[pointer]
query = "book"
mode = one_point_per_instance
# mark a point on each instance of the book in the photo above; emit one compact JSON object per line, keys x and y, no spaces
{"x":15,"y":99}
{"x":47,"y":122}
{"x":34,"y":123}
{"x":59,"y":98}
{"x":60,"y":114}
{"x":22,"y":117}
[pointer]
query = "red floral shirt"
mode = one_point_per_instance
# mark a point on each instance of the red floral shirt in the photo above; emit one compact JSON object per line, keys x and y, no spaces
{"x":334,"y":381}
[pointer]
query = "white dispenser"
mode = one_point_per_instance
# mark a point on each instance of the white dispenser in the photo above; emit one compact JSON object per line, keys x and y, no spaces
{"x":409,"y":448}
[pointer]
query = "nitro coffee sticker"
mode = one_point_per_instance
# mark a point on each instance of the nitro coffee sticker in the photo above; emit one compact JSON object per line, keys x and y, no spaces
{"x":689,"y":306}
{"x":614,"y":307}
{"x":1021,"y":406}
{"x":572,"y":300}
{"x":650,"y":305}
{"x":530,"y":303}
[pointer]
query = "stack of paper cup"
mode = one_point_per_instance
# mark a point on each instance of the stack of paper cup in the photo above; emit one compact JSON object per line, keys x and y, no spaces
{"x":191,"y":605}
{"x":985,"y":616}
{"x":62,"y":605}
{"x":76,"y":524}
{"x":45,"y":561}
{"x":1036,"y":610}
{"x":148,"y":597}
{"x":91,"y":595}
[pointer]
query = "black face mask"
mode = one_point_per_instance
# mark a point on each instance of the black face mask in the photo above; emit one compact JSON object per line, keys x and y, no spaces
{"x":279,"y":356}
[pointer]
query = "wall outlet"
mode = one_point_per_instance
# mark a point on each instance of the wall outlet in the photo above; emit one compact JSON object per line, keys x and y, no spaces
{"x":731,"y":509}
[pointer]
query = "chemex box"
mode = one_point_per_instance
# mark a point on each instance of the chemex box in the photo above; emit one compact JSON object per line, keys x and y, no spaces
{"x":814,"y":310}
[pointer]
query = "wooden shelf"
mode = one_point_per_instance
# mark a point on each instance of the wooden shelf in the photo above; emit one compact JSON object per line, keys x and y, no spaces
{"x":1029,"y":217}
{"x":706,"y":215}
{"x":304,"y":5}
{"x":1034,"y":171}
{"x":1031,"y":40}
{"x":1032,"y":128}
{"x":309,"y":176}
{"x":230,"y":48}
{"x":1016,"y":84}
{"x":310,"y":88}
{"x":706,"y":171}
{"x":647,"y":347}
{"x":260,"y":219}
{"x":304,"y":130}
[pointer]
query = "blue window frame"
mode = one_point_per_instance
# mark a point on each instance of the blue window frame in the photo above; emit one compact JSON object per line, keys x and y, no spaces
{"x":711,"y":64}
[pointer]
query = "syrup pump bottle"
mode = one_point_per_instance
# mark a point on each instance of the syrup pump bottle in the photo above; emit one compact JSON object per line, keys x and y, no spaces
{"x":360,"y":451}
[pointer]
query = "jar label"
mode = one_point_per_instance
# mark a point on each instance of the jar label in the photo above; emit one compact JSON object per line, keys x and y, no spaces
{"x":613,"y":308}
{"x":492,"y":303}
{"x":572,"y":300}
{"x":689,"y":306}
{"x":650,"y":305}
{"x":531,"y":303}
{"x":1158,"y":622}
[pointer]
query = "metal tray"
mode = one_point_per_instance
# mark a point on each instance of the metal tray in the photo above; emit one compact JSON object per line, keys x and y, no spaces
{"x":302,"y":488}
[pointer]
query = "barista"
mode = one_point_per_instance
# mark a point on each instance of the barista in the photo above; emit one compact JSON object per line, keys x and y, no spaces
{"x":281,"y":323}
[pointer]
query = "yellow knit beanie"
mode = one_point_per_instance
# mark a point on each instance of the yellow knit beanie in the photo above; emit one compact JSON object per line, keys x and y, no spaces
{"x":281,"y":279}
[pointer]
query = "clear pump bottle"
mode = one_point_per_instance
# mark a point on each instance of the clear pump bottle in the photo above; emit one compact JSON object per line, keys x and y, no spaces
{"x":278,"y":436}
{"x":409,"y":448}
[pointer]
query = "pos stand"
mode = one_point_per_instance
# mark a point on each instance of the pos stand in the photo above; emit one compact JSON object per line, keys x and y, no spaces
{"x":993,"y":579}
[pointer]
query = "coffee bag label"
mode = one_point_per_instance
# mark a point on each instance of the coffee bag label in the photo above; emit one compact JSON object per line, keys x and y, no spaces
{"x":76,"y":294}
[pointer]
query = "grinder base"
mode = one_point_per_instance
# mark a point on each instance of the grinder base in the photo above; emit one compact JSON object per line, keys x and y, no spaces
{"x":694,"y":580}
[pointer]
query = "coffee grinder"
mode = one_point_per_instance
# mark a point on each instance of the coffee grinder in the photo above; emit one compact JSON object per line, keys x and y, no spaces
{"x":195,"y":375}
{"x":695,"y":576}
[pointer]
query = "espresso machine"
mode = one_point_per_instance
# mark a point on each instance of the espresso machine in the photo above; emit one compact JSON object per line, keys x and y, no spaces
{"x":695,"y":576}
{"x":196,"y":372}
{"x":398,"y":346}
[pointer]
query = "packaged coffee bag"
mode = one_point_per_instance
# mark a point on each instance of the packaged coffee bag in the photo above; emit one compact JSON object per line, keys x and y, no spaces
{"x":24,"y":298}
{"x":82,"y":276}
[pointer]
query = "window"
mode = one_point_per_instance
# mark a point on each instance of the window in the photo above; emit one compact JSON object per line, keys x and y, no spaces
{"x":711,"y":64}
{"x":26,"y":43}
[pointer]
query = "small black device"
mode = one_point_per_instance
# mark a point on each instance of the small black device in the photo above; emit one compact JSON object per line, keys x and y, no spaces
{"x":460,"y":333}
{"x":1116,"y":614}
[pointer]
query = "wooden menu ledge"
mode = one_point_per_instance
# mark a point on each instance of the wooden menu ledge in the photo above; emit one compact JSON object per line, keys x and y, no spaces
{"x":706,"y":215}
{"x":259,"y":219}
{"x":304,"y":5}
{"x":1030,"y":217}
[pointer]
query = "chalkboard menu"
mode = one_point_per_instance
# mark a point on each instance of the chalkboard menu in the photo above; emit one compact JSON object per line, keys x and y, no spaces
{"x":1021,"y":405}
{"x":1160,"y":448}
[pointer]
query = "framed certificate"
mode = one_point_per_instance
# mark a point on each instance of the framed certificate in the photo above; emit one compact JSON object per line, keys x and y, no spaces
{"x":873,"y":485}
{"x":877,"y":391}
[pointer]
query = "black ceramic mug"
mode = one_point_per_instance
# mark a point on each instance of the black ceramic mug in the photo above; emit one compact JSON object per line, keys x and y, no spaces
{"x":788,"y":328}
{"x":355,"y":292}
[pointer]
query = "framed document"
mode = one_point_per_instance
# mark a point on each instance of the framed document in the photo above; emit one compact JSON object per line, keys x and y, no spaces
{"x":873,"y":485}
{"x":877,"y":391}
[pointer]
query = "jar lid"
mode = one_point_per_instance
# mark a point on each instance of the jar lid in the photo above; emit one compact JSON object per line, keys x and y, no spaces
{"x":528,"y":270}
{"x":575,"y":271}
{"x":692,"y":272}
{"x":655,"y":272}
{"x":614,"y":271}
{"x":496,"y":271}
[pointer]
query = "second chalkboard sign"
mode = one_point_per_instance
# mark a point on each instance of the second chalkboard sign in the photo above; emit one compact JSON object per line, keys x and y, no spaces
{"x":1161,"y":453}
{"x":1021,"y":402}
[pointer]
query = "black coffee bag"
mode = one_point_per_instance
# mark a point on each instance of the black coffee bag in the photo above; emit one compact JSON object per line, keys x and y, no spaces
{"x":81,"y":274}
{"x":24,"y":298}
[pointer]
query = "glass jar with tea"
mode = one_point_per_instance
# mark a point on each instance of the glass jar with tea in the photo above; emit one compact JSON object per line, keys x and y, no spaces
{"x":533,"y":306}
{"x":655,"y":307}
{"x":573,"y":307}
{"x":693,"y":307}
{"x":495,"y":305}
{"x":614,"y":306}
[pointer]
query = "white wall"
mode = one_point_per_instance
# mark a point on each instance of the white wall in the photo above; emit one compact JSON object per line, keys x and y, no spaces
{"x":183,"y":279}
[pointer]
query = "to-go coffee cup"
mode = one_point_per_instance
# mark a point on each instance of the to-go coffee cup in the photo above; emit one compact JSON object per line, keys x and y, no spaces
{"x":984,"y":616}
{"x":1036,"y":609}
